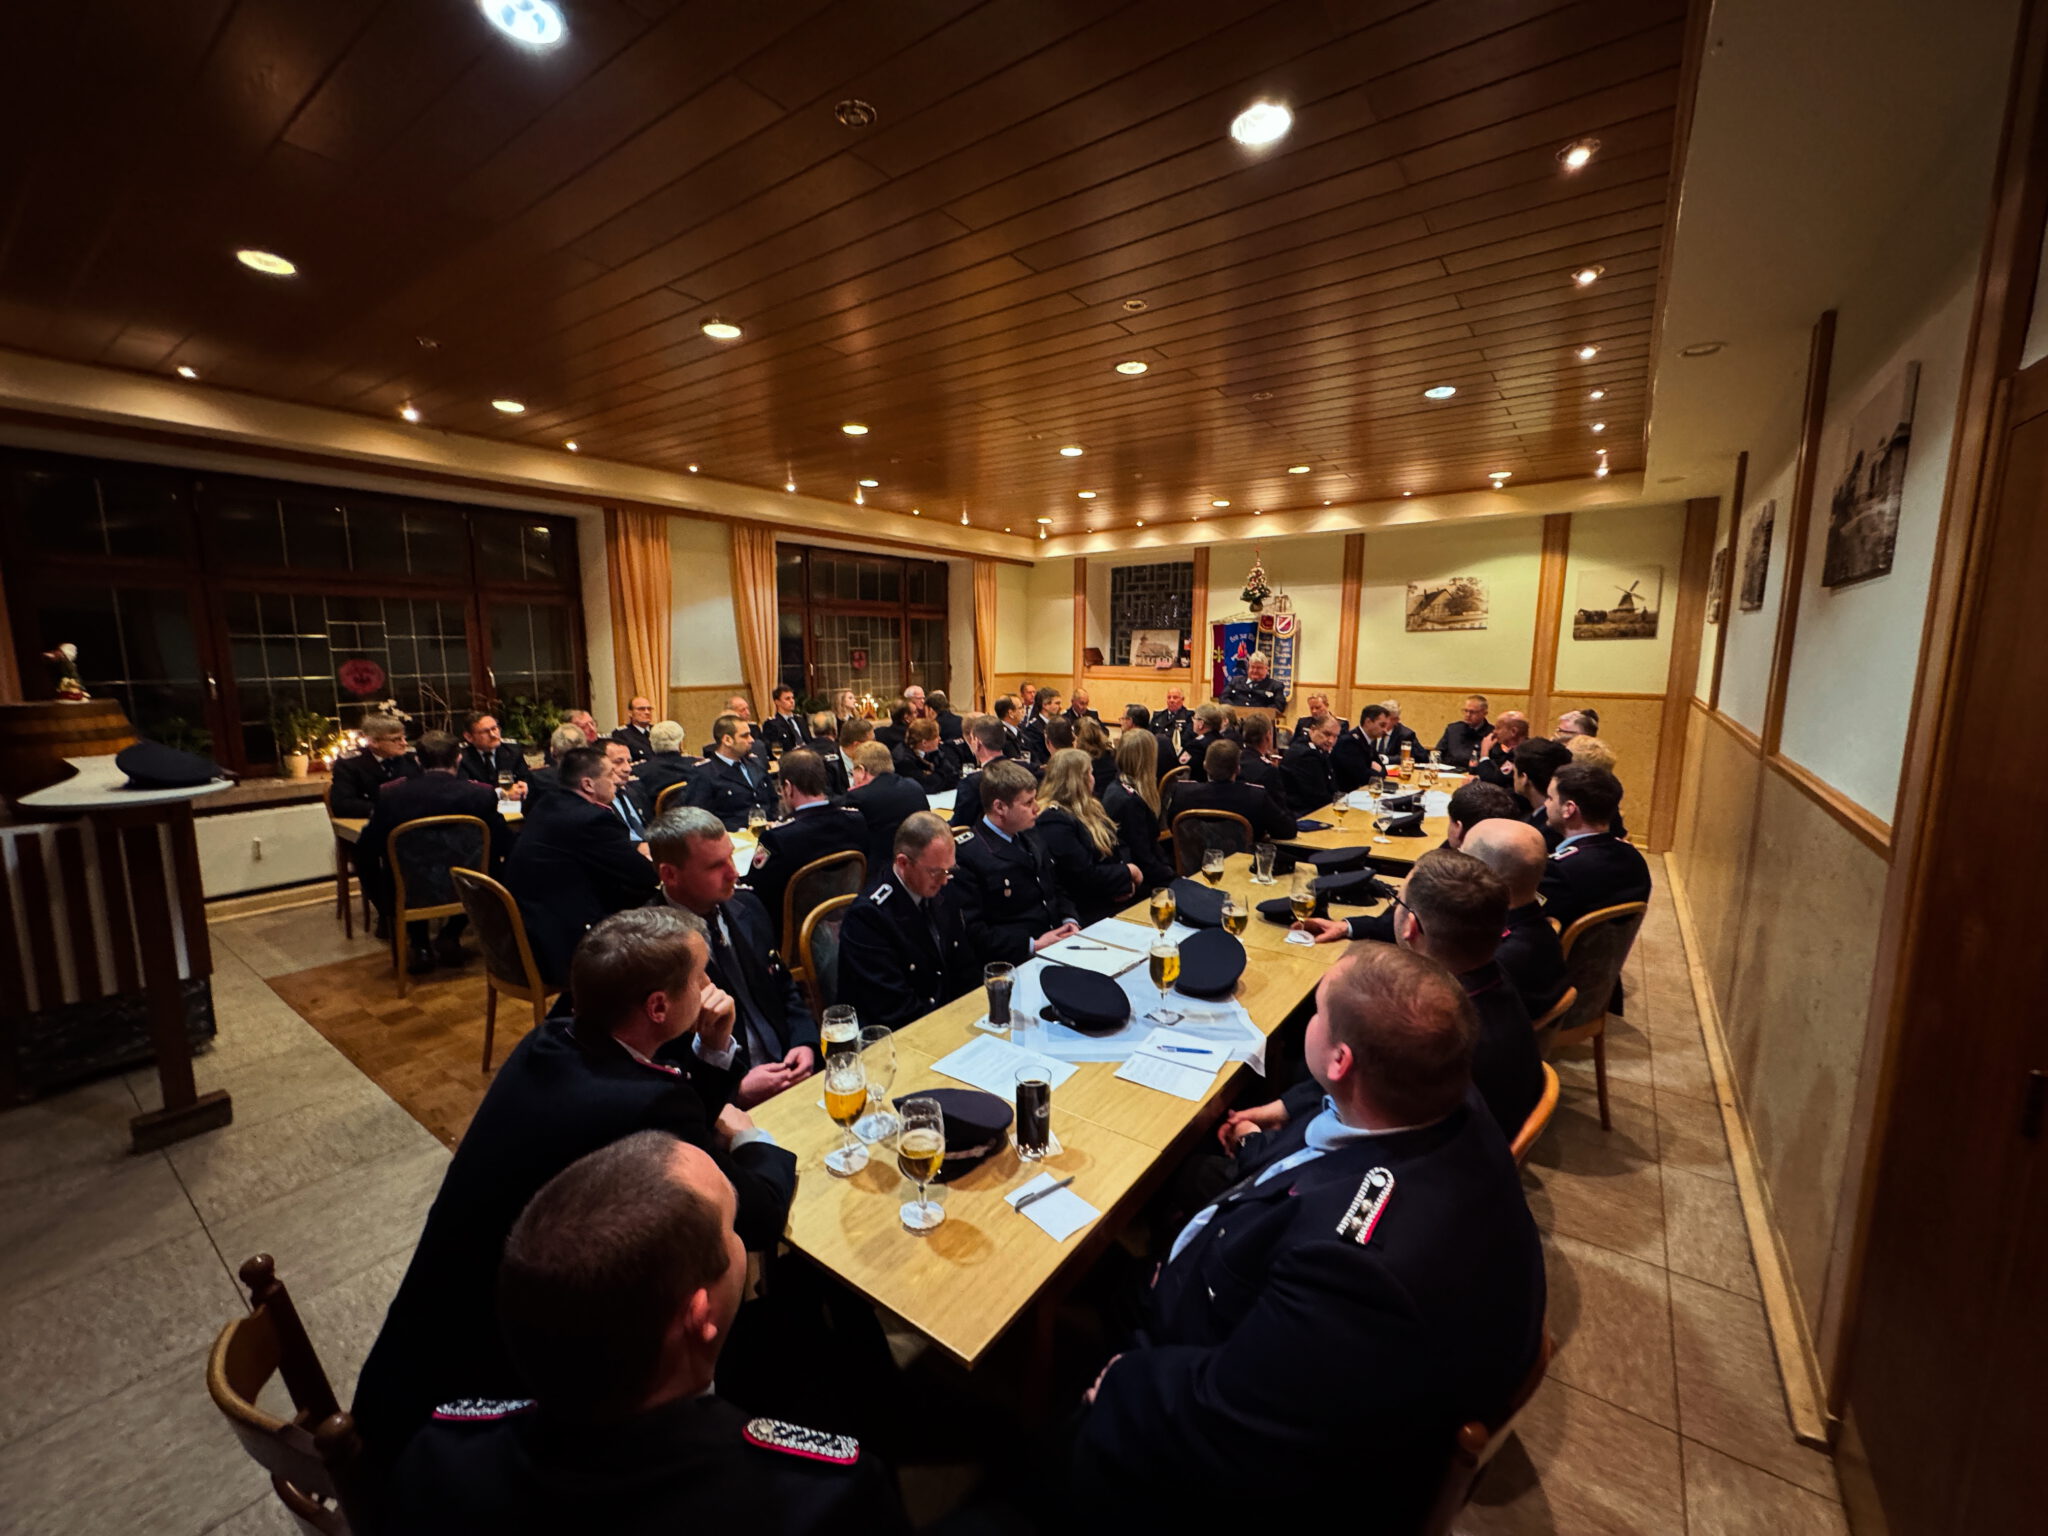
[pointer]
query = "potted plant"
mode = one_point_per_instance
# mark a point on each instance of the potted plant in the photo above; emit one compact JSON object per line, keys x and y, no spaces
{"x":302,"y":734}
{"x":529,"y":722}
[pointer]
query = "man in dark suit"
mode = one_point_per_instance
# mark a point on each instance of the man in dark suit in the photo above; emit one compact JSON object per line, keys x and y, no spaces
{"x":1259,"y":762}
{"x":1305,"y":774}
{"x":1176,"y":716}
{"x":1591,"y":867}
{"x":815,"y":828}
{"x":890,"y":735}
{"x":732,"y":780}
{"x":624,"y":1432}
{"x":575,"y":864}
{"x":923,"y":760}
{"x":1318,"y":706}
{"x":487,"y":757}
{"x":1359,"y":756}
{"x":903,"y":949}
{"x":782,"y":730}
{"x":1257,"y":689}
{"x":1009,"y":897}
{"x":619,"y":759}
{"x":1370,"y":1280}
{"x":651,"y":1048}
{"x":1220,"y":790}
{"x":1206,"y":730}
{"x":437,"y":791}
{"x":824,"y":740}
{"x":1402,"y":736}
{"x":778,"y":1038}
{"x":883,"y":797}
{"x":667,"y":765}
{"x":634,"y":734}
{"x":1529,"y":949}
{"x":1078,"y":710}
{"x":1462,"y":739}
{"x":1496,"y":757}
{"x":1037,"y":751}
{"x":384,"y":759}
{"x":986,"y":741}
{"x":1534,"y":764}
{"x":1009,"y":717}
{"x":951,"y":726}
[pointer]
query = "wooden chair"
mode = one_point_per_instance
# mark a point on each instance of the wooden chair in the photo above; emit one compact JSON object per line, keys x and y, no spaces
{"x":1558,"y":1009}
{"x":423,"y":853}
{"x":344,"y":865}
{"x":836,"y":874}
{"x":312,"y":1456}
{"x":1475,"y":1445}
{"x":818,"y":947}
{"x":509,"y":966}
{"x":1196,"y":832}
{"x":1167,"y":781}
{"x":669,"y":799}
{"x":1595,"y":949}
{"x":1539,"y":1117}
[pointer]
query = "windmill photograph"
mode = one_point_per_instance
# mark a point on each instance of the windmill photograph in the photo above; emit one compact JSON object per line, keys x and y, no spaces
{"x":1618,"y":605}
{"x":1452,"y":602}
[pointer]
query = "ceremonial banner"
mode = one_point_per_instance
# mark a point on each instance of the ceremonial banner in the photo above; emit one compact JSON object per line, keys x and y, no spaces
{"x":1234,"y":641}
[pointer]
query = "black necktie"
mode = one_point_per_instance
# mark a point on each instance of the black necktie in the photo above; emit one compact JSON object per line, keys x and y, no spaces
{"x":730,"y":973}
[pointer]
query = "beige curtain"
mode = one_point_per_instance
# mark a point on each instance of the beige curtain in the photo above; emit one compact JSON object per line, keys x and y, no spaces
{"x":636,"y":563}
{"x":984,"y":634}
{"x":753,"y":608}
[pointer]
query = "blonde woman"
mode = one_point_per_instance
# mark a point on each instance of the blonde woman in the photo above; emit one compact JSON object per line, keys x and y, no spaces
{"x":1091,"y":737}
{"x":847,"y":705}
{"x":1592,"y":751}
{"x":1081,"y":841}
{"x":1133,"y":804}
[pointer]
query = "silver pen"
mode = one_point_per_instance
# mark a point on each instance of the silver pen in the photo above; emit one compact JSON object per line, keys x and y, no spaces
{"x":1040,"y":1194}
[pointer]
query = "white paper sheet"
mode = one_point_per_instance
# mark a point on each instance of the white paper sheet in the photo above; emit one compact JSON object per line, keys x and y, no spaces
{"x":1173,"y":1063}
{"x":1137,"y":936}
{"x":943,"y":800}
{"x":992,"y":1066}
{"x":1091,"y":954}
{"x":743,"y":858}
{"x":1060,"y":1214}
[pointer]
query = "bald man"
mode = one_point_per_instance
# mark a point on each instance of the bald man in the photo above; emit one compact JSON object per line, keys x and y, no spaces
{"x":1529,"y":951}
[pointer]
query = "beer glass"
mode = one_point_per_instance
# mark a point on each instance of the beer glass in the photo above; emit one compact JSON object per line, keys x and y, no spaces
{"x":840,"y":1028}
{"x":1212,"y":865}
{"x":1163,"y":965}
{"x":1340,"y":807}
{"x":1262,"y":863}
{"x":878,"y":1060}
{"x":1034,"y":1113}
{"x":999,"y":978}
{"x":1235,"y":915}
{"x":846,"y":1098}
{"x":920,"y":1150}
{"x":757,"y":818}
{"x":1302,"y":898}
{"x":1164,"y":907}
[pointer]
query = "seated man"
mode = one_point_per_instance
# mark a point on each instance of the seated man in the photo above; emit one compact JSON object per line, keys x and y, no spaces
{"x":1533,"y":764}
{"x":1529,"y":949}
{"x":900,"y":716}
{"x":903,"y":948}
{"x":619,"y":759}
{"x":1137,"y":717}
{"x":634,"y":735}
{"x":1257,"y":689}
{"x":1009,"y":716}
{"x":385,"y":758}
{"x":1359,"y":756}
{"x":1591,"y":867}
{"x":815,"y":829}
{"x":1258,"y":763}
{"x":1009,"y":897}
{"x":487,"y":758}
{"x":1577,"y":722}
{"x":1175,"y":716}
{"x":782,"y":730}
{"x":1305,"y":774}
{"x":437,"y":791}
{"x":1402,"y":735}
{"x":951,"y":726}
{"x":619,"y":1286}
{"x":986,"y":741}
{"x":575,"y":864}
{"x":732,"y":781}
{"x":923,"y":762}
{"x":914,"y":697}
{"x":825,"y":742}
{"x":1037,"y":750}
{"x":1078,"y":710}
{"x":1221,"y":790}
{"x":650,"y":1048}
{"x":1495,"y":765}
{"x":1471,"y":805}
{"x":776,"y":1035}
{"x":1318,"y":707}
{"x":1463,"y":738}
{"x":667,"y":765}
{"x":1206,"y":731}
{"x":883,"y":797}
{"x":1370,"y":1281}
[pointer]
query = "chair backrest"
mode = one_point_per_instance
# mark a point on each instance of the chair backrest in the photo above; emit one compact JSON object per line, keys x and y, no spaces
{"x":500,"y":931}
{"x":423,"y":853}
{"x":1196,"y":832}
{"x":818,"y":944}
{"x":312,"y":1456}
{"x":1539,"y":1117}
{"x":1595,"y":949}
{"x":1167,"y":781}
{"x":670,"y":798}
{"x":1558,"y":1009}
{"x":836,"y":874}
{"x":1474,"y":1446}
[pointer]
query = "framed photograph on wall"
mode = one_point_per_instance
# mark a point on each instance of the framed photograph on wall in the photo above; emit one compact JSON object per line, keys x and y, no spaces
{"x":1715,"y":577}
{"x":1155,"y":648}
{"x":1863,"y":512}
{"x":1456,"y":602}
{"x":1756,"y":555}
{"x":1619,"y":604}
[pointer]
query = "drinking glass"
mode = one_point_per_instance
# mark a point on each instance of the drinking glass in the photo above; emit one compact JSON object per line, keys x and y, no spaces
{"x":846,"y":1097}
{"x":505,"y":782}
{"x":1164,"y":966}
{"x":1303,"y":899}
{"x":1034,"y":1113}
{"x":1163,"y":908}
{"x":757,"y":818}
{"x":920,"y":1149}
{"x":1235,"y":915}
{"x":878,"y":1060}
{"x":1212,"y":865}
{"x":1380,"y":818}
{"x":1340,"y":808}
{"x":840,"y":1028}
{"x":1262,"y":863}
{"x":999,"y":978}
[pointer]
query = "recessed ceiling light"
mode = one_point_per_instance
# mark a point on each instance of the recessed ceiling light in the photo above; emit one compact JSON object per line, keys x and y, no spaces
{"x":267,"y":262}
{"x":1006,"y":530}
{"x":1599,"y":426}
{"x":1299,"y":469}
{"x":790,"y":486}
{"x":1136,"y":306}
{"x":1326,"y":503}
{"x":1600,"y":469}
{"x":854,"y":429}
{"x":1407,"y":493}
{"x":855,"y":113}
{"x":409,"y":411}
{"x":693,"y":469}
{"x":1044,"y":520}
{"x":963,"y":517}
{"x":915,"y":513}
{"x":1085,"y":495}
{"x":1132,"y":367}
{"x":427,"y":343}
{"x":1588,"y":352}
{"x":721,"y":330}
{"x":536,"y":23}
{"x":1499,"y":474}
{"x":1578,"y":154}
{"x":1586,"y":277}
{"x":870,"y":484}
{"x":1258,"y":511}
{"x":1702,"y":349}
{"x":1440,"y":392}
{"x":1041,"y":533}
{"x":571,"y":446}
{"x":1219,"y":502}
{"x":1263,"y":122}
{"x":1141,"y":522}
{"x":1071,"y":451}
{"x":509,"y":407}
{"x":187,"y":371}
{"x":1262,"y":394}
{"x":1598,"y":394}
{"x":1198,"y":517}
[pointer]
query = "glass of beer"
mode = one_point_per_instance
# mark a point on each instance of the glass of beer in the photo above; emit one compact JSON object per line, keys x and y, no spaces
{"x":1163,"y":965}
{"x":1212,"y":865}
{"x":846,"y":1100}
{"x":999,"y":978}
{"x":1235,"y":915}
{"x":1034,"y":1113}
{"x":1340,"y":807}
{"x":757,"y":818}
{"x":1163,"y":908}
{"x":878,"y":1060}
{"x":920,"y":1149}
{"x":1262,"y":863}
{"x":840,"y":1028}
{"x":1302,"y":898}
{"x":505,"y":782}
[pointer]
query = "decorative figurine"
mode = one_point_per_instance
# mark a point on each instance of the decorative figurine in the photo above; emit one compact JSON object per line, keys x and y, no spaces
{"x":64,"y":669}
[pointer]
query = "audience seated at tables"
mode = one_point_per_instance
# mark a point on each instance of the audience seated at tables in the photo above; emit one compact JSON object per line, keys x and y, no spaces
{"x":438,"y":790}
{"x":1495,"y":764}
{"x":784,"y":728}
{"x":1529,"y":950}
{"x":733,"y":780}
{"x":924,"y":762}
{"x":1464,"y":739}
{"x":1591,"y":866}
{"x":1133,"y":804}
{"x":1533,"y":764}
{"x":1220,"y":789}
{"x":1471,"y":805}
{"x":1009,"y":896}
{"x":903,"y":949}
{"x":815,"y":828}
{"x":985,"y":739}
{"x":619,"y":1285}
{"x":487,"y":758}
{"x":1306,"y":778}
{"x":1318,"y":707}
{"x":951,"y":726}
{"x":1080,"y":839}
{"x":775,"y":1033}
{"x":825,"y":742}
{"x":634,"y":734}
{"x":1371,"y":1280}
{"x":883,"y":797}
{"x":651,"y":1047}
{"x":574,"y":863}
{"x":666,"y":766}
{"x":384,"y":758}
{"x":1258,"y":763}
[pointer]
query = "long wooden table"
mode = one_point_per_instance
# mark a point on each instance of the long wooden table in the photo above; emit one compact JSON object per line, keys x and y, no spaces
{"x":1356,"y":831}
{"x":965,"y":1284}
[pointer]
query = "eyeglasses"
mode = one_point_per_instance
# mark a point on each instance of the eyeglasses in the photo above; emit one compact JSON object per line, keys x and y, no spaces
{"x":1402,"y":903}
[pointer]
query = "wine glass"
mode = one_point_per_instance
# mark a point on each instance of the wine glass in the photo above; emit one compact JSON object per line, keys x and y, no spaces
{"x":846,"y":1098}
{"x":1235,"y":915}
{"x":1340,"y":808}
{"x":1302,"y":898}
{"x":1164,"y":907}
{"x":1164,"y":966}
{"x":878,"y":1058}
{"x":920,"y":1149}
{"x":1212,"y":865}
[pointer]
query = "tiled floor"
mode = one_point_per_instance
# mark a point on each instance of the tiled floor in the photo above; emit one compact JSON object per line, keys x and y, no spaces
{"x":1662,"y":1413}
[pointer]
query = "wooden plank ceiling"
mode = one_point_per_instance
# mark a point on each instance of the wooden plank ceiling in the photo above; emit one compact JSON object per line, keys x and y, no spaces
{"x":1049,"y":189}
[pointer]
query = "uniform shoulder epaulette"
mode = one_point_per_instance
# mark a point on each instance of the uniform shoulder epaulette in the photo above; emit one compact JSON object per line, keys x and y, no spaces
{"x":964,"y":835}
{"x":881,"y":893}
{"x":1367,"y":1206}
{"x":796,"y":1440}
{"x":481,"y":1410}
{"x":1566,"y":852}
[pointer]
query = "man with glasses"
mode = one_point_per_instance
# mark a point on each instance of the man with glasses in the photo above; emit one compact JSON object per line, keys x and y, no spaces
{"x":1464,"y":738}
{"x":903,"y":948}
{"x":487,"y":756}
{"x":633,"y":734}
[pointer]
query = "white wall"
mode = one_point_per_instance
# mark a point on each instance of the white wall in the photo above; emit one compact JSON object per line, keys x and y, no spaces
{"x":1049,"y":622}
{"x":597,"y":614}
{"x":704,"y":640}
{"x":1703,"y":685}
{"x":1310,"y":571}
{"x":1013,"y":620}
{"x":1746,"y":666}
{"x":1603,"y":543}
{"x":960,"y":631}
{"x":1508,"y":554}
